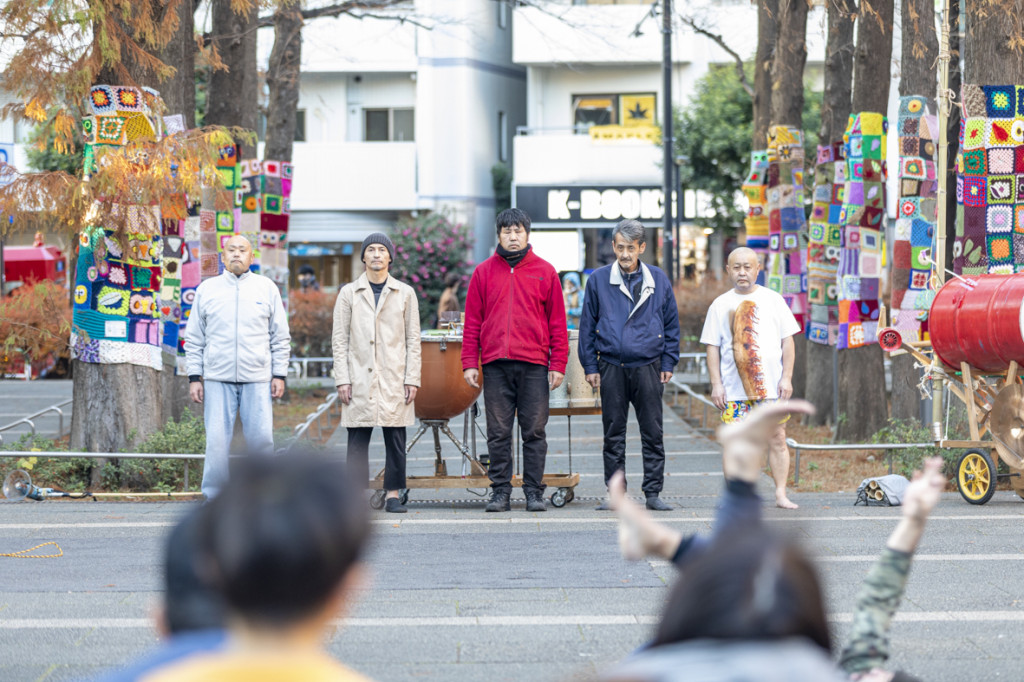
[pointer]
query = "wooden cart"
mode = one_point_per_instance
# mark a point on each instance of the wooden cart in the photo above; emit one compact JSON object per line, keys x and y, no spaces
{"x":474,"y":472}
{"x":983,"y":394}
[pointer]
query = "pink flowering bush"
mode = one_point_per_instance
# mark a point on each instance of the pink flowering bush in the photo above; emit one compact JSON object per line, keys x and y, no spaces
{"x":427,"y":248}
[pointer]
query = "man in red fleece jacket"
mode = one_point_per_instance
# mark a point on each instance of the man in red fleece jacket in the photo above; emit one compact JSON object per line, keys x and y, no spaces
{"x":515,"y":324}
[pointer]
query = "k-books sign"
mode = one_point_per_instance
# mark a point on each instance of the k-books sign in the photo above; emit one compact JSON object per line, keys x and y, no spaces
{"x":582,"y":204}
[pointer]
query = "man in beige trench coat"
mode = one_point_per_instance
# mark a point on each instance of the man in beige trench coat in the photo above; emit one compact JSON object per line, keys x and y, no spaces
{"x":376,"y":343}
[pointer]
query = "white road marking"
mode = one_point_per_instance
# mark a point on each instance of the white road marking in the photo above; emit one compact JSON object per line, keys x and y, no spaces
{"x":582,"y":455}
{"x":871,"y":558}
{"x":533,"y":519}
{"x":502,"y":621}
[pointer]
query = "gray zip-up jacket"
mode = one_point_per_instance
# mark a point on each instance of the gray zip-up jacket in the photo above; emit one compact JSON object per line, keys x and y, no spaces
{"x":238,"y":330}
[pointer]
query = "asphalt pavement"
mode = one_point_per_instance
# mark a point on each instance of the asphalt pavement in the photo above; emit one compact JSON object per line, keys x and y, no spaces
{"x":456,"y":594}
{"x":20,"y":399}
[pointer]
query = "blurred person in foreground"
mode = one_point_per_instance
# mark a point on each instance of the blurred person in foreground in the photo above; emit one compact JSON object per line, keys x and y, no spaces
{"x":748,"y":605}
{"x":281,"y":543}
{"x":191,"y":619}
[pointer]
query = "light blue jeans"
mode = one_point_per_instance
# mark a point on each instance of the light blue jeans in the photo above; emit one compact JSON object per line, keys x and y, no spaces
{"x":222,"y":403}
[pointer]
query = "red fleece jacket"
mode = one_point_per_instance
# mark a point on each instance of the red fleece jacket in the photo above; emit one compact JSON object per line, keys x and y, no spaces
{"x":515,"y":314}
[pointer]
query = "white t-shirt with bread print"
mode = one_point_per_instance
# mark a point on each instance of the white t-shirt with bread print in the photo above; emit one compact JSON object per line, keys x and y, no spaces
{"x":748,"y":331}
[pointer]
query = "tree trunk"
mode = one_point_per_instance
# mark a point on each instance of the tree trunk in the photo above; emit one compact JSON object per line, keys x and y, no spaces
{"x":283,"y":76}
{"x":233,"y":95}
{"x":787,"y":100}
{"x":952,"y":130}
{"x":920,"y":51}
{"x":819,"y":391}
{"x":835,"y":111}
{"x":872,"y":57}
{"x":992,"y":48}
{"x":179,"y":91}
{"x":918,"y":76}
{"x":862,"y":399}
{"x":787,"y":107}
{"x":767,"y":33}
{"x":113,"y":405}
{"x":835,"y":104}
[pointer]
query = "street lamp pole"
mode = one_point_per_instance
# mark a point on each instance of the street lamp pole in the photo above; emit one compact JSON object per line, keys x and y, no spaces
{"x":666,"y":136}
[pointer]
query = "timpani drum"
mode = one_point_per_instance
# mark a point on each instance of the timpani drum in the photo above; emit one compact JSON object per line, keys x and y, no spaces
{"x":443,"y":392}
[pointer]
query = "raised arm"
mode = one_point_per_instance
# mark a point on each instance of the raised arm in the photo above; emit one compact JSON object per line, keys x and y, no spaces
{"x":883,"y":588}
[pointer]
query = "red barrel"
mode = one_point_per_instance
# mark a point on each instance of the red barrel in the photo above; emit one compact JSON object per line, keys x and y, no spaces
{"x":978,"y":320}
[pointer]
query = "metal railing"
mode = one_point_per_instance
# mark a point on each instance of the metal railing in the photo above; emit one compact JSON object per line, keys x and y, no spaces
{"x":680,"y":386}
{"x":705,"y":403}
{"x":36,"y":415}
{"x":797,"y":447}
{"x":298,"y":368}
{"x":316,"y":418}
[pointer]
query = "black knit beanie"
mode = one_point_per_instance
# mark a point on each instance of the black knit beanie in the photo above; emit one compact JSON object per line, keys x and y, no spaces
{"x":378,"y":238}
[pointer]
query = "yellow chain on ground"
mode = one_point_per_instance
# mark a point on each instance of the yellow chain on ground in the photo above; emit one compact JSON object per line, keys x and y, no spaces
{"x":24,"y":554}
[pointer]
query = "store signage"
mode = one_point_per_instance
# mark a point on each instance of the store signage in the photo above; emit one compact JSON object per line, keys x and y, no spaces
{"x":574,"y":205}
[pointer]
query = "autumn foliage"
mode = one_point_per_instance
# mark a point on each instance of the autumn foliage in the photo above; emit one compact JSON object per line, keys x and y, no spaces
{"x":35,"y":321}
{"x":310,"y":321}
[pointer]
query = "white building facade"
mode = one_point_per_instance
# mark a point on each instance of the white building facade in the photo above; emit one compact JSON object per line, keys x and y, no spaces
{"x":590,"y":153}
{"x":397,"y":118}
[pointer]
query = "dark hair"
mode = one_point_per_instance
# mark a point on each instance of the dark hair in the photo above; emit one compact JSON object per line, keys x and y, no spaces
{"x":631,"y":231}
{"x":511,"y":217}
{"x":190,"y":601}
{"x":307,"y":269}
{"x":452,"y":279}
{"x":281,"y":535}
{"x":750,"y":585}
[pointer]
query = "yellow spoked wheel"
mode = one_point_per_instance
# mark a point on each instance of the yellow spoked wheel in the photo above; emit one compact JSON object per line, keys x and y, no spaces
{"x":976,"y":476}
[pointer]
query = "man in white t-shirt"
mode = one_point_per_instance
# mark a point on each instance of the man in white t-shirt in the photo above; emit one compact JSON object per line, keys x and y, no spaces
{"x":749,"y":336}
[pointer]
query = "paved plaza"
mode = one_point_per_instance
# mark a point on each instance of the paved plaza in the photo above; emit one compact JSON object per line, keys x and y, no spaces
{"x":457,"y":594}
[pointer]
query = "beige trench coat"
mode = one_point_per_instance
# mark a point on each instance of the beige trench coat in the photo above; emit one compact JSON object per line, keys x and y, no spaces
{"x":377,"y":351}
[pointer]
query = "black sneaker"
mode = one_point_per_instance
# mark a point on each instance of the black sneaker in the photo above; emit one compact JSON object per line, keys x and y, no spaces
{"x":655,"y":503}
{"x":535,"y":501}
{"x":500,"y":502}
{"x":393,"y":505}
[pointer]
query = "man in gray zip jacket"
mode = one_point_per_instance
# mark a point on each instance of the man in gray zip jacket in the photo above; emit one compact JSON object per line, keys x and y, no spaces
{"x":237,"y":347}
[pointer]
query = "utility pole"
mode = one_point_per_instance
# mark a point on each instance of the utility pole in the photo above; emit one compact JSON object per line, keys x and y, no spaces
{"x":668,"y":162}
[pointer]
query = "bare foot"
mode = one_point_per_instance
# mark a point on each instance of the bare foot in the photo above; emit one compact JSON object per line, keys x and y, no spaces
{"x":783,"y":502}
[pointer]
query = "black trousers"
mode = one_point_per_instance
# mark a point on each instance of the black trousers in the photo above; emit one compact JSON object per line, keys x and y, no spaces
{"x":512,"y":386}
{"x":394,"y":455}
{"x":641,"y":387}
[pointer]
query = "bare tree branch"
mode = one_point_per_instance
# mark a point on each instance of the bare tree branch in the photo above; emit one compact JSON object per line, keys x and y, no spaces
{"x":357,"y":9}
{"x":720,"y":41}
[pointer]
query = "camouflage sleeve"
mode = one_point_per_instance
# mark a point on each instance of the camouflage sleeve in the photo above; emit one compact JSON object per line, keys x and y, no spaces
{"x":877,"y":602}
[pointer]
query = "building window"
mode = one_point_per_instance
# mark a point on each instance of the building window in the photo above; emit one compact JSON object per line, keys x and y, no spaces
{"x":502,"y":13}
{"x":603,"y":110}
{"x":389,"y":125}
{"x":502,"y":137}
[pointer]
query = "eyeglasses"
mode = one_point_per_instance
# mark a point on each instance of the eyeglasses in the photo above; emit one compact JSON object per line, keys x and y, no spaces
{"x":512,"y":230}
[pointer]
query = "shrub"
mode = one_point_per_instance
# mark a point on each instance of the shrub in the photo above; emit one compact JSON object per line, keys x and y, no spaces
{"x":311,"y":321}
{"x":35,"y":322}
{"x":426,"y":249}
{"x":63,"y":473}
{"x":186,"y":436}
{"x":907,"y":460}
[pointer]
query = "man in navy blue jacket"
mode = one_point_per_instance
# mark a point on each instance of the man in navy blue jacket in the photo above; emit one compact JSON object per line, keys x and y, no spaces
{"x":629,"y":347}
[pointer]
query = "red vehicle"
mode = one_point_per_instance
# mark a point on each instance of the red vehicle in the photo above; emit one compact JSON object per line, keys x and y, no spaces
{"x":27,"y":264}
